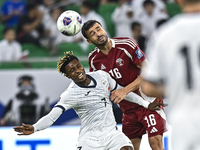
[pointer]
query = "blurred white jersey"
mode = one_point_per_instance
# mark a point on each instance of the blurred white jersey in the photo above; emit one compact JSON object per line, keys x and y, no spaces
{"x":92,"y":104}
{"x":174,"y":56}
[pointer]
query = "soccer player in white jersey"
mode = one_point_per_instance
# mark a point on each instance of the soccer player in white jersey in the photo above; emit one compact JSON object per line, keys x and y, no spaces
{"x":89,"y":96}
{"x":174,"y":70}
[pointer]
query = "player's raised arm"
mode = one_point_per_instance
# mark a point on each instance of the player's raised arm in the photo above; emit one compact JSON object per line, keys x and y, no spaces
{"x":134,"y":98}
{"x":131,"y":97}
{"x":121,"y":93}
{"x":41,"y":124}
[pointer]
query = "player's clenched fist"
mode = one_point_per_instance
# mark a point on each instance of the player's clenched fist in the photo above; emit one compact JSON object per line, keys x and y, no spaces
{"x":25,"y":129}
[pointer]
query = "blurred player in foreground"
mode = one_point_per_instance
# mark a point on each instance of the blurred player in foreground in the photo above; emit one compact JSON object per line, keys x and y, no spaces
{"x":123,"y":59}
{"x":174,"y":70}
{"x":89,"y":95}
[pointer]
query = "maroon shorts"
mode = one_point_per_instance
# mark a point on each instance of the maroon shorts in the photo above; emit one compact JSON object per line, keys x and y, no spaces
{"x":142,"y":121}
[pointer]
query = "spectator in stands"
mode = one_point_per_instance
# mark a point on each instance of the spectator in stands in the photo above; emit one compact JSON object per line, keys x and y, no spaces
{"x":45,"y":8}
{"x":137,"y":35}
{"x":139,"y":9}
{"x":122,"y":17}
{"x":25,"y":106}
{"x":149,"y":18}
{"x":87,"y":13}
{"x":11,"y":11}
{"x":10,"y":49}
{"x":49,"y":24}
{"x":30,"y":29}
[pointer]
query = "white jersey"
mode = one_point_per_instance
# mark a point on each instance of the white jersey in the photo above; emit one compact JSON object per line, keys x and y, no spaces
{"x":174,"y":56}
{"x":92,"y":104}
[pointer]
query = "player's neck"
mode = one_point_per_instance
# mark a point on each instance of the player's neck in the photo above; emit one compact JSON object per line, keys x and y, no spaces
{"x":86,"y":82}
{"x":192,"y":8}
{"x":106,"y":49}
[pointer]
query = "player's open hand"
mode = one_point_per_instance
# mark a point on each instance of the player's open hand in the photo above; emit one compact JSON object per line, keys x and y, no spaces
{"x":25,"y":129}
{"x":117,"y":96}
{"x":156,"y":106}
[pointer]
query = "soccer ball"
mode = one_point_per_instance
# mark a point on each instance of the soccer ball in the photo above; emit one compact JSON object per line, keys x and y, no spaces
{"x":69,"y":23}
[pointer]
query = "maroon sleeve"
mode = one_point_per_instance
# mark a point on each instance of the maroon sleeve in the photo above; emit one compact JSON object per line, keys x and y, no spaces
{"x":137,"y":54}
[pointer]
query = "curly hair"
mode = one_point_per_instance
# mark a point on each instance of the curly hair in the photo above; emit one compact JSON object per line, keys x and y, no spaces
{"x":65,"y":60}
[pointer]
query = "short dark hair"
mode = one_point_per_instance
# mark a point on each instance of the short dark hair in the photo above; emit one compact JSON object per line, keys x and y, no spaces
{"x":87,"y":25}
{"x":148,"y":2}
{"x":67,"y":58}
{"x":135,"y":24}
{"x":6,"y":29}
{"x":31,"y":5}
{"x":25,"y":78}
{"x":87,"y":4}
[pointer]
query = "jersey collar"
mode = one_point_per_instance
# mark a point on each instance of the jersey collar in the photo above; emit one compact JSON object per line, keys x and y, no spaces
{"x":113,"y":43}
{"x":91,"y":86}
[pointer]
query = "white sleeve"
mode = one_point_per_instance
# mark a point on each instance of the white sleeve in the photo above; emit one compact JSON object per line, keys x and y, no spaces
{"x":112,"y":82}
{"x":156,"y":70}
{"x":134,"y":98}
{"x":48,"y":120}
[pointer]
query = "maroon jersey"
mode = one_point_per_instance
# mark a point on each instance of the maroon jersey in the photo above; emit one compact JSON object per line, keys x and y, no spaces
{"x":121,"y":63}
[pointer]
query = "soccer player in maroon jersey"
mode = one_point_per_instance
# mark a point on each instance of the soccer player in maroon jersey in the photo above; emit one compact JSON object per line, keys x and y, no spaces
{"x":123,"y":59}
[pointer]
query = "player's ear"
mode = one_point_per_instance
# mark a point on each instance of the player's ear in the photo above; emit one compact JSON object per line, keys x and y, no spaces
{"x":66,"y":74}
{"x":89,"y":41}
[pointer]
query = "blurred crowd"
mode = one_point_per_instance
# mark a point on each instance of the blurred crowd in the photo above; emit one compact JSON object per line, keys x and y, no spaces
{"x":34,"y":22}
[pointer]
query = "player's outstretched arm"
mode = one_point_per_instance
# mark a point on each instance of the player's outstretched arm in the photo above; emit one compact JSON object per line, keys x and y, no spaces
{"x":25,"y":129}
{"x":134,"y":98}
{"x":42,"y":124}
{"x":131,"y":97}
{"x":121,"y":93}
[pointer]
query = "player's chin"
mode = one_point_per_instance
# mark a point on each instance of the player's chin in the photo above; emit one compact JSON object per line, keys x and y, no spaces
{"x":102,"y":43}
{"x":82,"y":78}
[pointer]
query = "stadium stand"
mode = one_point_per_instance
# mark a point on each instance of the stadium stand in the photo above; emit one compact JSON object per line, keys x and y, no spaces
{"x":105,"y":11}
{"x":1,"y":31}
{"x":39,"y":57}
{"x":173,"y":9}
{"x":73,"y":7}
{"x":76,"y":48}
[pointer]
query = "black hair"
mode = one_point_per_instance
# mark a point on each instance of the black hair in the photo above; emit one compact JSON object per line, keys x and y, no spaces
{"x":25,"y":78}
{"x":134,"y":24}
{"x":87,"y":25}
{"x":87,"y":4}
{"x":6,"y":29}
{"x":31,"y":5}
{"x":67,"y":58}
{"x":148,"y":2}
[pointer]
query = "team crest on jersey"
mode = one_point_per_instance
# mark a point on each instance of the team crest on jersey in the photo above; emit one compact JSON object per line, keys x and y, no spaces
{"x":139,"y":53}
{"x":104,"y":82}
{"x":120,"y":62}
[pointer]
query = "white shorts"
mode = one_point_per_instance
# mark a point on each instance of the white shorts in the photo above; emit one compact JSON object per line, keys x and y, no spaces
{"x":114,"y":140}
